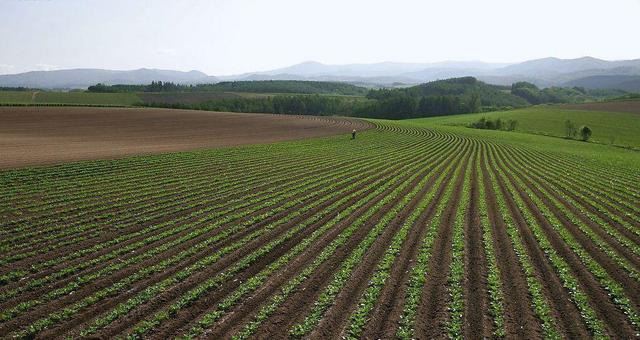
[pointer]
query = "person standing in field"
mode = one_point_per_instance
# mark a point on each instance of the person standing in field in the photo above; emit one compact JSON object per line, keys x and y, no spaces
{"x":353,"y":134}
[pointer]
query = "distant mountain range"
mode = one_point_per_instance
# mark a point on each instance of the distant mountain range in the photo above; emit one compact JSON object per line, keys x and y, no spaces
{"x":542,"y":72}
{"x":83,"y":78}
{"x":587,"y":72}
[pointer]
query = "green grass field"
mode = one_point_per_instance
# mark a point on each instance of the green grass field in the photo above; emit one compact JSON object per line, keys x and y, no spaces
{"x":615,"y":128}
{"x":71,"y":98}
{"x":16,"y":97}
{"x":128,"y":99}
{"x":602,"y":154}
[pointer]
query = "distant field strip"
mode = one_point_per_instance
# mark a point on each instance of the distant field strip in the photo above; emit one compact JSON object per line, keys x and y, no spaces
{"x":71,"y":98}
{"x":408,"y":231}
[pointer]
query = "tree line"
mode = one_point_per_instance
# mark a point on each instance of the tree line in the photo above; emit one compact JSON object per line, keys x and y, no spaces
{"x":17,"y":89}
{"x":258,"y":86}
{"x":317,"y":105}
{"x":437,"y":98}
{"x":560,"y":95}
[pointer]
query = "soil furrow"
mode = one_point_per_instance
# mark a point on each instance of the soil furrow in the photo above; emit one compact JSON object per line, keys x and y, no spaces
{"x":388,"y":310}
{"x":570,"y":321}
{"x":602,"y":304}
{"x":298,"y":304}
{"x":230,"y":323}
{"x":431,"y":315}
{"x":255,"y":245}
{"x":336,"y":318}
{"x":227,"y":260}
{"x":477,"y":320}
{"x":102,"y":283}
{"x":520,"y":321}
{"x":165,"y":218}
{"x":631,"y":286}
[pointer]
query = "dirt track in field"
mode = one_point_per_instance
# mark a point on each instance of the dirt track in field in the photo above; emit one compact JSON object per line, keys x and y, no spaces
{"x":49,"y":135}
{"x":629,"y":106}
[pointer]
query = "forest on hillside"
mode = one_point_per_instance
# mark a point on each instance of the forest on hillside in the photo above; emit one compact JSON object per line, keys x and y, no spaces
{"x":437,"y":98}
{"x":258,"y":86}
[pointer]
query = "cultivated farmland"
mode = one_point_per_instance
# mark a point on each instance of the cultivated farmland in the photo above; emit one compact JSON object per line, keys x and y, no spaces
{"x":409,"y":231}
{"x":630,"y":106}
{"x":37,"y":135}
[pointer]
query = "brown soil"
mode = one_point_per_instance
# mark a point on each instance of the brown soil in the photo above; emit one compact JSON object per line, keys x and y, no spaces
{"x":629,"y":106}
{"x":39,"y":135}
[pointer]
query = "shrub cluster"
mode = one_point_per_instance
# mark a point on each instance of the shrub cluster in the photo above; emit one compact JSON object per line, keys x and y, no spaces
{"x":497,"y":124}
{"x":572,"y":131}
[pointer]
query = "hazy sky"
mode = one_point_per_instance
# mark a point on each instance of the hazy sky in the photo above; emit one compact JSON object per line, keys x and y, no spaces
{"x":234,"y":36}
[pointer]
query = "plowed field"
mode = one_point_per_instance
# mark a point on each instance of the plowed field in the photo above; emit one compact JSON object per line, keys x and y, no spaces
{"x":36,"y":135}
{"x":630,"y":106}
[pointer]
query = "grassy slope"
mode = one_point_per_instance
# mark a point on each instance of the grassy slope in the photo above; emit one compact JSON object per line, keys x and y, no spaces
{"x":616,"y":128}
{"x":87,"y":98}
{"x":83,"y":98}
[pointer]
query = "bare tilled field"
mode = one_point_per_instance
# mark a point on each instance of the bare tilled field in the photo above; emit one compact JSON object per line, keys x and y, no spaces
{"x":49,"y":135}
{"x":630,"y":106}
{"x":405,"y":232}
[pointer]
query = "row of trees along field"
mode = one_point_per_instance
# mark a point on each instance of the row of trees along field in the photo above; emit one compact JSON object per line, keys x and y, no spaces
{"x":18,"y":88}
{"x":534,"y":95}
{"x":446,"y":97}
{"x":261,"y":86}
{"x":319,"y":105}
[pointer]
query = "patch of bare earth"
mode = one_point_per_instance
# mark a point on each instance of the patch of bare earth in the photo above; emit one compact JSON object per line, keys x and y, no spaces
{"x":628,"y":106}
{"x":39,"y":135}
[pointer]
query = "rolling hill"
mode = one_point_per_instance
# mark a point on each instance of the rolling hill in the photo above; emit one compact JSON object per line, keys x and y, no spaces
{"x":543,"y":72}
{"x":629,"y":83}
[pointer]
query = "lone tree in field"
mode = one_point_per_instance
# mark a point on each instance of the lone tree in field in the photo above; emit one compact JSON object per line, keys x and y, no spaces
{"x":570,"y":129}
{"x":585,"y":133}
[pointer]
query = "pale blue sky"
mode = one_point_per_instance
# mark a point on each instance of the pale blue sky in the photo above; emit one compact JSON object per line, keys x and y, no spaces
{"x":225,"y":37}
